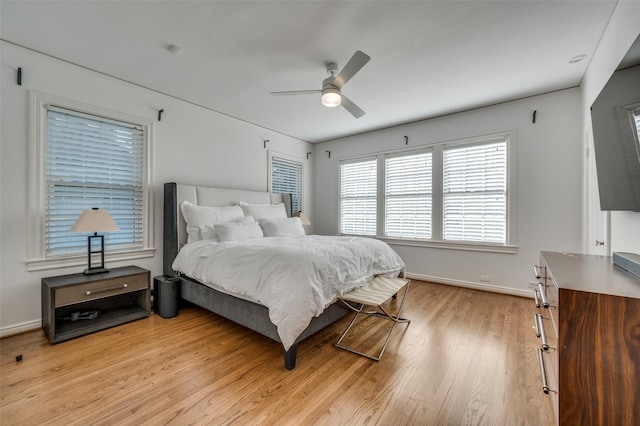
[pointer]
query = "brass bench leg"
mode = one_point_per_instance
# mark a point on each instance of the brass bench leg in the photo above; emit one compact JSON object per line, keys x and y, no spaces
{"x":385,"y":315}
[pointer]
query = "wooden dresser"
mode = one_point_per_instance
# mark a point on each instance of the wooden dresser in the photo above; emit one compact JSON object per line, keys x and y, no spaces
{"x":591,"y":328}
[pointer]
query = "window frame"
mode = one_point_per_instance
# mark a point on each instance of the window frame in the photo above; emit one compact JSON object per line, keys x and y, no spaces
{"x":36,"y":251}
{"x":437,"y":238}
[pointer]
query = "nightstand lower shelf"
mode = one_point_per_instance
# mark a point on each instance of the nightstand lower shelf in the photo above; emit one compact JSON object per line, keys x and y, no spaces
{"x":66,"y":329}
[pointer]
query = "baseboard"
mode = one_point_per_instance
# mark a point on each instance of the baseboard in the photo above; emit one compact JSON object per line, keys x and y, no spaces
{"x":20,"y":328}
{"x":472,"y":285}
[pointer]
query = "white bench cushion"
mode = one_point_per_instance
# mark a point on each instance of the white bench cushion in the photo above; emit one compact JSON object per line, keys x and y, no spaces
{"x":376,"y":291}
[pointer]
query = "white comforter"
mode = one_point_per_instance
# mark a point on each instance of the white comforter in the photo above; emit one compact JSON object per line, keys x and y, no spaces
{"x":296,"y":278}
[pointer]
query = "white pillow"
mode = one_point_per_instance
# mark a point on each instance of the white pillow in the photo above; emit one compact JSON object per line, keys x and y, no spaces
{"x":264,"y":211}
{"x":290,"y":227}
{"x":208,"y":232}
{"x":204,"y":215}
{"x":238,"y":231}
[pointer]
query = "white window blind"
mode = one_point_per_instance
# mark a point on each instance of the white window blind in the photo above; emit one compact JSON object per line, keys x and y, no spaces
{"x":92,"y":162}
{"x":408,"y":196}
{"x":358,"y":197}
{"x":286,"y":178}
{"x":475,"y":193}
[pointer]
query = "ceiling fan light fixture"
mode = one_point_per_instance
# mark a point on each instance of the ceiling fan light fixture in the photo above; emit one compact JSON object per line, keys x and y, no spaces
{"x":331,"y":98}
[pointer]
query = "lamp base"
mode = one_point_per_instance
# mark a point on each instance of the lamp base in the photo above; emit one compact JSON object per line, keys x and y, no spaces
{"x":91,"y":271}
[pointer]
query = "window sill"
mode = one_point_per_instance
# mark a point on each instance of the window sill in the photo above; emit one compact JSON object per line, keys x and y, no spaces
{"x":66,"y":262}
{"x":483,"y":247}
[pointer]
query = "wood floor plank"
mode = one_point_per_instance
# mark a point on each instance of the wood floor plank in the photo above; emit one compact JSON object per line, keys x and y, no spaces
{"x":467,"y":358}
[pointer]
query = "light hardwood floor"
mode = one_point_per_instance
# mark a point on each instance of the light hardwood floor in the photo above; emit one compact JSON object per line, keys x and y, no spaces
{"x":467,"y":358}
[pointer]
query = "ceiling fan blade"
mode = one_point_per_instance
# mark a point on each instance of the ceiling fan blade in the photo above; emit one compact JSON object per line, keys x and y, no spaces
{"x":351,"y":107}
{"x":297,"y":92}
{"x":357,"y":61}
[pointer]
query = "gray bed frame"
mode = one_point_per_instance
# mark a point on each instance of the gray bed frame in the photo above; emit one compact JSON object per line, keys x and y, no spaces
{"x":249,"y":314}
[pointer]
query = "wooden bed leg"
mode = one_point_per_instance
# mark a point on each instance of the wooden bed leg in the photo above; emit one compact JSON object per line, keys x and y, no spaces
{"x":290,"y":357}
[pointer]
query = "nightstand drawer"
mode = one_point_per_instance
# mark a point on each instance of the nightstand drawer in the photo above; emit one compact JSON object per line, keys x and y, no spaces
{"x":99,"y":289}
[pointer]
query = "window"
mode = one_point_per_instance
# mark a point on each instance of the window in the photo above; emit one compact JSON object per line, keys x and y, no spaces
{"x":286,"y":178}
{"x":92,"y":162}
{"x":408,"y":196}
{"x":450,"y":193}
{"x":475,"y":193}
{"x":84,"y":160}
{"x":358,"y":197}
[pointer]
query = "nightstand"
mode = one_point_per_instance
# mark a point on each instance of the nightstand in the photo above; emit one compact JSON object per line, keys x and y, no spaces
{"x":78,"y":304}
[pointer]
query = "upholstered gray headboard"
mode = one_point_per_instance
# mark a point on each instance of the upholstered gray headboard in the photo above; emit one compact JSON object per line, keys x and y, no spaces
{"x":175,"y":227}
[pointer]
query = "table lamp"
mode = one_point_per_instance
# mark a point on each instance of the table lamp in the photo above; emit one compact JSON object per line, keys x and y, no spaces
{"x":303,"y":217}
{"x":95,"y":221}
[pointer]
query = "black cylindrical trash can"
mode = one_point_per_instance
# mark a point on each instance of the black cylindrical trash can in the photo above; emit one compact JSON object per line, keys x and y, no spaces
{"x":165,"y":296}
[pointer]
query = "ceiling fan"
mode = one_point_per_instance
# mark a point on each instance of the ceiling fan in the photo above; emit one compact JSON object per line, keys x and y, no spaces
{"x":332,"y":86}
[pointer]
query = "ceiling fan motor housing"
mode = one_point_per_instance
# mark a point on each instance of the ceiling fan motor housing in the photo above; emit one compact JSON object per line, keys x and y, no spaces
{"x":327,"y":83}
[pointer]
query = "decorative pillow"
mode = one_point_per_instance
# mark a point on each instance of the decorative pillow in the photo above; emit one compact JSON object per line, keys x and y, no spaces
{"x":204,"y":215}
{"x":264,"y":211}
{"x":290,"y":227}
{"x":208,"y":232}
{"x":238,"y":231}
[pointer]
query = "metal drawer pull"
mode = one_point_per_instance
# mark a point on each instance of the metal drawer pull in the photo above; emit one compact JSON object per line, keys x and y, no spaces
{"x":543,"y":372}
{"x":536,"y":298}
{"x":540,"y":329}
{"x":536,"y":271}
{"x":535,"y":322}
{"x":102,"y":290}
{"x":545,"y":302}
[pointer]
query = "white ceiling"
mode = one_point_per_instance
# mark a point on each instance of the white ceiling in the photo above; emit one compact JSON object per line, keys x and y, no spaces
{"x":428,"y":58}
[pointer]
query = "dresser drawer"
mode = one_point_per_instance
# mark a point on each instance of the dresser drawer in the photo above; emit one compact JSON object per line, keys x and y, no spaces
{"x":73,"y":294}
{"x":549,"y":365}
{"x":547,"y":338}
{"x":552,"y":297}
{"x":546,"y":297}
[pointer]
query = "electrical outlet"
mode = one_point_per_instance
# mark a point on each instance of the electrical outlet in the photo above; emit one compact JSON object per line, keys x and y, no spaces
{"x":485,"y":278}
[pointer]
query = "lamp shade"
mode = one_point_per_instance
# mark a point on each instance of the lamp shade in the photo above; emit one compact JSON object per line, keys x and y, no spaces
{"x":303,"y":217}
{"x":94,"y":221}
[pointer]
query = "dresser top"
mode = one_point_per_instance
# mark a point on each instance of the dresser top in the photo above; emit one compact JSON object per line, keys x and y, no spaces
{"x":591,"y":273}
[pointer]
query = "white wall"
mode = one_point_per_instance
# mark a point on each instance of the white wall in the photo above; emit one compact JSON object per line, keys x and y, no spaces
{"x":548,"y":186}
{"x":623,"y":231}
{"x":190,"y":145}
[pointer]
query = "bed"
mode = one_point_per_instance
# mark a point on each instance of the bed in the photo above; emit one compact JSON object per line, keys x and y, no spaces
{"x":249,"y":310}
